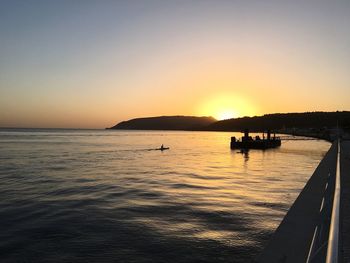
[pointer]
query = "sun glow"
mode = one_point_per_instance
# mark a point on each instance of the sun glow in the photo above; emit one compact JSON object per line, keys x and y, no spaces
{"x":225,"y":114}
{"x":226,"y":107}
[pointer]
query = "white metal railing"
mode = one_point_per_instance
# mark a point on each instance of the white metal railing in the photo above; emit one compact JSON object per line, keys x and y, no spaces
{"x":333,"y":240}
{"x":325,"y":242}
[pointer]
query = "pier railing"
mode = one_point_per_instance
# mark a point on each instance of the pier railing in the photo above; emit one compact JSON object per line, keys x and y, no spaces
{"x":325,"y":243}
{"x":333,"y":240}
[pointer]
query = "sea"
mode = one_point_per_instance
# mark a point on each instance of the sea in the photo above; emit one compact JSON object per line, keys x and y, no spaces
{"x":109,"y":196}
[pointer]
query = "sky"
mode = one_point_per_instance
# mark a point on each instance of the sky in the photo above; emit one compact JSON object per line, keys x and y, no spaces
{"x":92,"y":64}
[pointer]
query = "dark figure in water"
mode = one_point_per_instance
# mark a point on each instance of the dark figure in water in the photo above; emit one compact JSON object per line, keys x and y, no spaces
{"x":162,"y":148}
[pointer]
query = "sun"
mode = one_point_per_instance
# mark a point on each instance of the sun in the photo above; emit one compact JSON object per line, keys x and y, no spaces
{"x":226,"y":106}
{"x":225,"y":114}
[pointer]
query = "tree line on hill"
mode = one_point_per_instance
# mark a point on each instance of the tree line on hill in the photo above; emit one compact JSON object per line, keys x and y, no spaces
{"x":281,"y":121}
{"x":276,"y":121}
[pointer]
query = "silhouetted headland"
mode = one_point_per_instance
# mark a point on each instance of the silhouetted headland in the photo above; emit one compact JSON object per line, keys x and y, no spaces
{"x":166,"y":123}
{"x":314,"y":124}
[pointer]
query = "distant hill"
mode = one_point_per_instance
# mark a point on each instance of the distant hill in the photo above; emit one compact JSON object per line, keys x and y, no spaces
{"x":277,"y":122}
{"x":166,"y":123}
{"x":280,"y":121}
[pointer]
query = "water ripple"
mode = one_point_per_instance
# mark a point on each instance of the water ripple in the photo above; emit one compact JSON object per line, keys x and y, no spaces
{"x":105,"y":196}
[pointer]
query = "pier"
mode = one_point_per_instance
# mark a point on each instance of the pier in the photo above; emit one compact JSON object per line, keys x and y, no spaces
{"x":317,"y":226}
{"x":247,"y":142}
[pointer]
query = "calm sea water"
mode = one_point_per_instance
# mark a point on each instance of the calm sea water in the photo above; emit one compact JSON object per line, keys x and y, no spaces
{"x":106,"y":196}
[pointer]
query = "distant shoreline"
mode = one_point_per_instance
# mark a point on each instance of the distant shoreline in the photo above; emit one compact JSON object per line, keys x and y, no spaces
{"x":316,"y":124}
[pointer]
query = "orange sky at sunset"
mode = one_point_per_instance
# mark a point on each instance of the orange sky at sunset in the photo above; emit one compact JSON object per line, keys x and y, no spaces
{"x":93,"y":64}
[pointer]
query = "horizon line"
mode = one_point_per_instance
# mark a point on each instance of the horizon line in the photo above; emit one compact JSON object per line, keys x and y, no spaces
{"x":104,"y":128}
